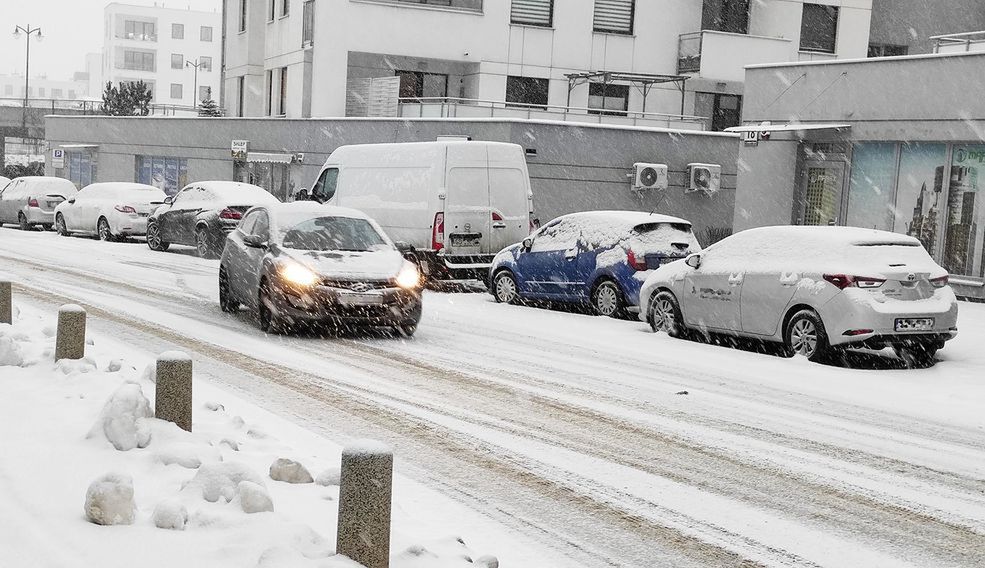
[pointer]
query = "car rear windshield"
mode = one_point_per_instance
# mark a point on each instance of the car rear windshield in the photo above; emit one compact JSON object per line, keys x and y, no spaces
{"x":334,"y":233}
{"x":889,"y":253}
{"x":667,"y":238}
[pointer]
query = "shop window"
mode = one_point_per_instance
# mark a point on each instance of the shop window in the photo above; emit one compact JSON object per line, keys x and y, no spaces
{"x":725,"y":16}
{"x":964,"y":242}
{"x":527,"y":91}
{"x":165,"y":173}
{"x":819,"y":28}
{"x":605,"y":98}
{"x":871,"y":187}
{"x":81,"y":168}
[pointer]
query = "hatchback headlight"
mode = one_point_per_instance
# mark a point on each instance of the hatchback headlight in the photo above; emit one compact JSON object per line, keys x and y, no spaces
{"x":408,"y":277}
{"x":295,"y":273}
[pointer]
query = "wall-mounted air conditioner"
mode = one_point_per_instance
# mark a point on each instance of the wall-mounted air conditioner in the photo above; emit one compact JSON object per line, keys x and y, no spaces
{"x":649,"y":176}
{"x":703,"y":177}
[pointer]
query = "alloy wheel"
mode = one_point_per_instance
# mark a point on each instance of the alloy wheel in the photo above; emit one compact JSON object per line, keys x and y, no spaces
{"x":104,"y":232}
{"x":60,"y":227}
{"x":663,"y":315}
{"x":803,"y":337}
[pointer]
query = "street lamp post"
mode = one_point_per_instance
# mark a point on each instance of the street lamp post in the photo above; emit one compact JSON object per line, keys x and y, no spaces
{"x":28,"y":31}
{"x":196,"y":65}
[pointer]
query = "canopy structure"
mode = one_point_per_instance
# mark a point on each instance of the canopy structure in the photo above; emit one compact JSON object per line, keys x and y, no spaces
{"x":793,"y":126}
{"x":642,"y":81}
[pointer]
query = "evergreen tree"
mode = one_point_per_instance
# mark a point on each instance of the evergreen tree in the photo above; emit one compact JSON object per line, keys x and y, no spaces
{"x":208,"y":106}
{"x":129,"y":99}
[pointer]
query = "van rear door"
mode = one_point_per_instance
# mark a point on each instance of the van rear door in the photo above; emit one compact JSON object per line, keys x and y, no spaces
{"x":468,"y":221}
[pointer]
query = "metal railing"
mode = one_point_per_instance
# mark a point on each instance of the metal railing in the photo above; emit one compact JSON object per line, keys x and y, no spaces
{"x":689,"y":52}
{"x":968,"y":41}
{"x":92,"y":107}
{"x":453,"y":107}
{"x":136,"y":36}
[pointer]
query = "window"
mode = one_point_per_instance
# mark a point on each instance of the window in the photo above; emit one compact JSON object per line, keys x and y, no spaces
{"x":57,"y":93}
{"x":308,"y":24}
{"x":204,"y":93}
{"x":177,"y":31}
{"x":248,"y":223}
{"x":71,"y":93}
{"x":270,"y":93}
{"x":819,"y":28}
{"x":177,"y":61}
{"x":138,"y":60}
{"x":527,"y":91}
{"x":614,"y":16}
{"x":272,"y":11}
{"x":324,"y":188}
{"x":883,"y":50}
{"x":285,"y":6}
{"x":417,"y":84}
{"x":725,"y":16}
{"x":282,"y":103}
{"x":242,"y":15}
{"x":606,"y":98}
{"x":726,"y":112}
{"x":241,"y":95}
{"x":175,"y":90}
{"x":262,"y":226}
{"x":41,"y":92}
{"x":141,"y":31}
{"x":532,"y":12}
{"x":205,"y":63}
{"x":81,"y":168}
{"x":205,"y":33}
{"x":474,"y":5}
{"x":8,"y":90}
{"x":167,"y":174}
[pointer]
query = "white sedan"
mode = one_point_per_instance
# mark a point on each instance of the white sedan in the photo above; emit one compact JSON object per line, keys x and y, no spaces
{"x":109,"y":210}
{"x":814,"y":289}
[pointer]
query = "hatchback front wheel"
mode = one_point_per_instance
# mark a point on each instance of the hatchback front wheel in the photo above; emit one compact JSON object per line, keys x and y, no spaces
{"x":665,"y":315}
{"x":805,"y":335}
{"x":505,"y":288}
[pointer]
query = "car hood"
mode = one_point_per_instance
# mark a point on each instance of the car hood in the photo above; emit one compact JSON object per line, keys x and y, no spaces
{"x":370,"y":265}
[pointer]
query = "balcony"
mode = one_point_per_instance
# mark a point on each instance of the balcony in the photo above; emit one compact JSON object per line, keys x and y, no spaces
{"x":136,"y":36}
{"x":723,"y":56}
{"x":451,"y":107}
{"x":957,"y":43}
{"x":456,"y":5}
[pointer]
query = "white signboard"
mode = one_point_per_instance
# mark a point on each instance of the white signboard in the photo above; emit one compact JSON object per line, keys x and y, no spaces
{"x":240,"y":149}
{"x":57,"y":158}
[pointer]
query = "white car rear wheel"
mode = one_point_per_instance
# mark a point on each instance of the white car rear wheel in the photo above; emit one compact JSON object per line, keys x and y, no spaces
{"x":805,"y":336}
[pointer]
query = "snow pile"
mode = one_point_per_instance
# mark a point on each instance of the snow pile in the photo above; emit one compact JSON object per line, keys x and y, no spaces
{"x":170,"y":514}
{"x":11,"y":353}
{"x":109,"y":500}
{"x":253,"y":498}
{"x":121,"y":421}
{"x":289,"y":471}
{"x":221,"y":480}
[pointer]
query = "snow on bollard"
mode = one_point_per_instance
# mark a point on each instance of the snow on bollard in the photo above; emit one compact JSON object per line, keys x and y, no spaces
{"x":364,"y":503}
{"x":173,"y":401}
{"x":70,"y":339}
{"x":109,"y":500}
{"x":6,"y":305}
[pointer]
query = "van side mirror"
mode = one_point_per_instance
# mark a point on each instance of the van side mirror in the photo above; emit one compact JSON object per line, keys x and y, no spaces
{"x":302,"y":194}
{"x":527,"y":243}
{"x":694,"y":261}
{"x":403,"y":247}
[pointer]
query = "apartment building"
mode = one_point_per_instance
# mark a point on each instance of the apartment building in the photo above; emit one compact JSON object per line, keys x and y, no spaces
{"x":613,"y":61}
{"x":162,"y":46}
{"x":910,"y":27}
{"x":41,"y":87}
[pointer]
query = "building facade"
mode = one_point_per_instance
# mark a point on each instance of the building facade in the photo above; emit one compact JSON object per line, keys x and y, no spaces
{"x":161,"y":47}
{"x":909,"y":27}
{"x":890,"y":143}
{"x":613,"y":61}
{"x":41,"y":87}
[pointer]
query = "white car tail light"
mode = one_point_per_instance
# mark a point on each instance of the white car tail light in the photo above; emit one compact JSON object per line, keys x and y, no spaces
{"x":939,"y":282}
{"x":842,"y":281}
{"x":126,"y":209}
{"x":32,"y":202}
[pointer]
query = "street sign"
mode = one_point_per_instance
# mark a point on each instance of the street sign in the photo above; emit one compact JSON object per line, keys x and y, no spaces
{"x":240,"y":149}
{"x":57,"y":158}
{"x":750,"y":138}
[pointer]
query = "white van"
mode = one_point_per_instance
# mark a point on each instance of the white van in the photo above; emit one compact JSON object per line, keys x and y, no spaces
{"x":455,"y":203}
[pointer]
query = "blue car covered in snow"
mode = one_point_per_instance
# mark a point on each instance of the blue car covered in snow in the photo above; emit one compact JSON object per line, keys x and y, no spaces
{"x":599,"y":258}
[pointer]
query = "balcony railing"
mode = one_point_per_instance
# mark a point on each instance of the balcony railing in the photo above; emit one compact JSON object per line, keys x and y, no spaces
{"x":136,"y":36}
{"x":92,"y":106}
{"x":724,"y":55}
{"x":955,"y":43}
{"x":464,"y":5}
{"x":689,"y":53}
{"x":452,"y":107}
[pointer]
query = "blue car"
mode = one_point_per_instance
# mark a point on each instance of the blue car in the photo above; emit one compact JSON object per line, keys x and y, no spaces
{"x":596,"y":257}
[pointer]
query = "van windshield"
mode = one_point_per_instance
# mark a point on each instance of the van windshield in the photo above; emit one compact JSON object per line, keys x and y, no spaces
{"x":334,"y":233}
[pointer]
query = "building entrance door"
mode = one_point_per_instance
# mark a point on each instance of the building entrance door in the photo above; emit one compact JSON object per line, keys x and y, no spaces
{"x":821,"y":188}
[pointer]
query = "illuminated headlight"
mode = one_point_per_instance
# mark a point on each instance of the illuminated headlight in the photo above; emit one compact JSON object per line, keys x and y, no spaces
{"x":408,"y":277}
{"x":297,"y":274}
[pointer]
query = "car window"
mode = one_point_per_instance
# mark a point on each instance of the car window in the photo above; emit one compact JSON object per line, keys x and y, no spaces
{"x":248,"y":222}
{"x":262,"y":228}
{"x":670,"y":239}
{"x":334,"y":233}
{"x":324,"y":188}
{"x":558,"y":235}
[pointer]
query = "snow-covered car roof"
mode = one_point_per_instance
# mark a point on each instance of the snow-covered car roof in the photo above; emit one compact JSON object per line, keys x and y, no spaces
{"x":235,"y":190}
{"x":303,"y":210}
{"x":828,"y":235}
{"x":47,"y":183}
{"x":628,"y":219}
{"x":115,"y":186}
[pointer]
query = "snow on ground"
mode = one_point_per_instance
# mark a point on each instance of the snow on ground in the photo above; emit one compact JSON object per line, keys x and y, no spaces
{"x":570,"y":437}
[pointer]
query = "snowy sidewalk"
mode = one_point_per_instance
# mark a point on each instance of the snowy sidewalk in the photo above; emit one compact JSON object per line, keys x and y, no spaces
{"x":59,"y":433}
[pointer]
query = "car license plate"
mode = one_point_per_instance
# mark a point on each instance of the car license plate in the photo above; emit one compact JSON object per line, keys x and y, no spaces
{"x":53,"y":203}
{"x":466,"y":239}
{"x":914,"y":324}
{"x":354,"y":299}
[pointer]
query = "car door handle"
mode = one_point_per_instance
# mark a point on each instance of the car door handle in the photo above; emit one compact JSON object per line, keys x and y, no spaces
{"x":789,"y":279}
{"x":499,"y":225}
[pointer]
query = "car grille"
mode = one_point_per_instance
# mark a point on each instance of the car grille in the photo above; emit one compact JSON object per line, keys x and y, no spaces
{"x":359,"y":285}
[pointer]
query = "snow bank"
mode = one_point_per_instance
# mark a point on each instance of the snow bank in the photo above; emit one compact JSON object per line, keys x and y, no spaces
{"x":11,"y":353}
{"x":109,"y":500}
{"x":289,"y":471}
{"x":254,"y":498}
{"x":215,"y":480}
{"x":170,"y":514}
{"x":121,"y":421}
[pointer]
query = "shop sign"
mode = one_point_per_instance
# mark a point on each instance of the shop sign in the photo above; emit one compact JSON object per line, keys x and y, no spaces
{"x":240,"y":148}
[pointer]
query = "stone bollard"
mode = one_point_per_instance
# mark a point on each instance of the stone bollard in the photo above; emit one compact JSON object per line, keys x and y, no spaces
{"x":6,"y":305}
{"x":70,"y":339}
{"x":173,"y":398}
{"x":364,"y":503}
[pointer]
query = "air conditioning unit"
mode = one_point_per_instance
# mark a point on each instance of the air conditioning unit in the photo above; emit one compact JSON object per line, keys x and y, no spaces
{"x":703,"y":177}
{"x":649,"y":176}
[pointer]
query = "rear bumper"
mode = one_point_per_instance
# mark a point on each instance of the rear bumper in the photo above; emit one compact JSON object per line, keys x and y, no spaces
{"x":878,"y":341}
{"x":129,"y":225}
{"x":36,"y":216}
{"x":856,"y":310}
{"x":323,"y":304}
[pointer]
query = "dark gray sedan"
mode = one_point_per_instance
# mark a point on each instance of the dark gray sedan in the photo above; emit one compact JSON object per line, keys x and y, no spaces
{"x":305,"y":263}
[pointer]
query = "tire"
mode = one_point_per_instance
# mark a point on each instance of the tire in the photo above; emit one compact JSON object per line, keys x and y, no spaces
{"x":505,"y":289}
{"x":154,"y":240}
{"x":407,"y":329}
{"x":103,"y":230}
{"x":226,"y":301}
{"x":917,"y":356}
{"x":204,"y":245}
{"x":22,"y":222}
{"x":607,"y":300}
{"x":805,"y":335}
{"x":60,"y":227}
{"x":664,"y":314}
{"x":267,"y":320}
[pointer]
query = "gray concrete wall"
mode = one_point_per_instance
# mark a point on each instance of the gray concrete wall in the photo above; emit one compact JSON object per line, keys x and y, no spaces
{"x":912,"y":22}
{"x":768,"y":175}
{"x":576,"y":167}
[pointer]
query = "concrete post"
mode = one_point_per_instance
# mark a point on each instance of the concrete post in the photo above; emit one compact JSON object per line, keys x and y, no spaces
{"x":364,"y":503}
{"x":6,"y":305}
{"x":173,"y":401}
{"x":70,"y":339}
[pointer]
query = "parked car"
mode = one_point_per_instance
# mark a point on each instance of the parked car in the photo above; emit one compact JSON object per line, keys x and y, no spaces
{"x":596,"y":257}
{"x":455,"y":203}
{"x":202,"y":214}
{"x":302,"y":262}
{"x":30,"y":201}
{"x":3,"y":182}
{"x":108,"y":210}
{"x":813,"y":289}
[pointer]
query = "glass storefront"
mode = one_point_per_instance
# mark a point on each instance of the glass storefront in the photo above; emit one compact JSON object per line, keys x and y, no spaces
{"x":904,"y":187}
{"x":81,"y":168}
{"x":165,"y":173}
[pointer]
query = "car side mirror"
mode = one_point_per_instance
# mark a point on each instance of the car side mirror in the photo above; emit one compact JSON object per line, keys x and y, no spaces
{"x":71,"y":201}
{"x":403,"y":247}
{"x":694,"y":261}
{"x":302,"y":194}
{"x":527,"y":243}
{"x":255,"y":241}
{"x":169,"y":200}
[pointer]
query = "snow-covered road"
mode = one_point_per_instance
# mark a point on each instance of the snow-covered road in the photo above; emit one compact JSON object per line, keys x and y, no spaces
{"x":570,"y":430}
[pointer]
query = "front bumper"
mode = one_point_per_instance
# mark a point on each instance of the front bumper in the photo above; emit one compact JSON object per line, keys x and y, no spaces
{"x":377,"y":307}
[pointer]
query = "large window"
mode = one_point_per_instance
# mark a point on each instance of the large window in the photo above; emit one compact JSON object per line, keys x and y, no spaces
{"x":141,"y":31}
{"x":819,"y":28}
{"x":177,"y":31}
{"x":138,"y":60}
{"x":282,"y":103}
{"x":725,"y":16}
{"x":242,"y":15}
{"x":614,"y":16}
{"x":871,"y":189}
{"x":205,"y":33}
{"x":964,"y":252}
{"x":177,"y":60}
{"x":605,"y":98}
{"x":527,"y":91}
{"x":308,"y":24}
{"x":81,"y":168}
{"x":417,"y":84}
{"x":532,"y":12}
{"x":165,"y":173}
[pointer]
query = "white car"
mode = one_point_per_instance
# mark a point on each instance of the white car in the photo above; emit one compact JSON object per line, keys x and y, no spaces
{"x":814,"y":289}
{"x":108,"y":210}
{"x":30,"y":201}
{"x":3,"y":182}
